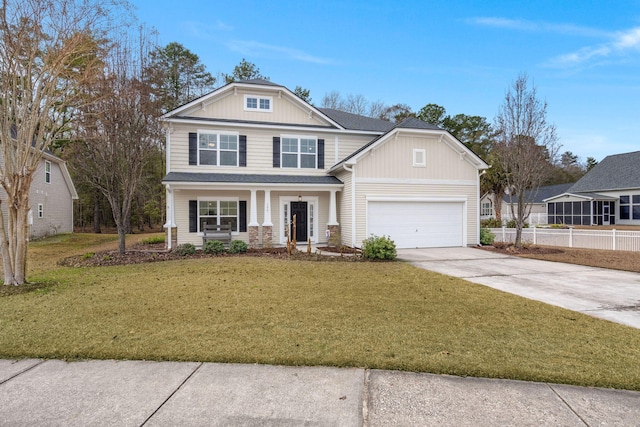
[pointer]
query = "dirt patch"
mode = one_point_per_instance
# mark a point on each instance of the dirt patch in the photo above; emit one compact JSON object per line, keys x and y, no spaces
{"x":616,"y":260}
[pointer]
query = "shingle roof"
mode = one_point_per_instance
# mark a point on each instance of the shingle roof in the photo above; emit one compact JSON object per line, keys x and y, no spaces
{"x":413,"y":123}
{"x":251,"y":122}
{"x":357,"y":122}
{"x":263,"y":82}
{"x":543,"y":193}
{"x":616,"y":172}
{"x":249,"y":179}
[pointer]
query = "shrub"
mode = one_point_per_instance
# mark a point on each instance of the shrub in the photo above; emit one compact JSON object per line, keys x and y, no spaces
{"x":379,"y":247}
{"x":486,"y":236}
{"x":88,"y":255}
{"x":491,"y":223}
{"x":237,"y":247}
{"x":153,"y":240}
{"x":185,"y":249}
{"x":213,"y":247}
{"x":512,"y":224}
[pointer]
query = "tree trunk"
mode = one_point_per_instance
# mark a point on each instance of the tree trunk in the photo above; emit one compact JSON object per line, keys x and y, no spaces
{"x":96,"y":212}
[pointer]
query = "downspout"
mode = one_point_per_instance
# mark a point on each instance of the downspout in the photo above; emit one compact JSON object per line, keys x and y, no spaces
{"x":353,"y":203}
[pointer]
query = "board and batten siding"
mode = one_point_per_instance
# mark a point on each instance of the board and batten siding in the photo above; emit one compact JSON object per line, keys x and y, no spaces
{"x":416,"y":191}
{"x":394,"y":159}
{"x":284,"y":110}
{"x":345,"y":218}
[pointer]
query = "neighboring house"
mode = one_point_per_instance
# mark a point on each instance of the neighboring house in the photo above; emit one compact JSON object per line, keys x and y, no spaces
{"x":253,"y":154}
{"x":608,"y":194}
{"x":538,"y":214}
{"x":51,"y":198}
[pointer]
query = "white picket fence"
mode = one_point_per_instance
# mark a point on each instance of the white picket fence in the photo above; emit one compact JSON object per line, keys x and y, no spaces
{"x":620,"y":240}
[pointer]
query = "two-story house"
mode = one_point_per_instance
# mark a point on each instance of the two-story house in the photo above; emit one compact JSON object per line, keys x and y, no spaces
{"x":253,"y":154}
{"x":51,"y":198}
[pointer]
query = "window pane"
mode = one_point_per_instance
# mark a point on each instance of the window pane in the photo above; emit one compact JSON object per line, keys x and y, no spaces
{"x":586,"y":208}
{"x":211,"y":220}
{"x":289,"y":160}
{"x":307,"y":161}
{"x":208,"y":140}
{"x":207,"y":157}
{"x":307,"y":146}
{"x":208,"y":208}
{"x":636,"y":199}
{"x":559,"y":209}
{"x":624,"y":212}
{"x":636,"y":211}
{"x":252,"y":102}
{"x":550,"y":210}
{"x":289,"y":145}
{"x":228,"y":208}
{"x":230,"y":220}
{"x":265,"y":104}
{"x":228,"y":142}
{"x":624,"y":200}
{"x":228,"y":158}
{"x":567,"y":208}
{"x":576,"y":208}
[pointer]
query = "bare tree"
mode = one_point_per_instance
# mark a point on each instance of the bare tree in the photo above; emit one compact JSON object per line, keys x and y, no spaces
{"x":333,"y":100}
{"x":527,"y":145}
{"x":48,"y":51}
{"x":119,"y":132}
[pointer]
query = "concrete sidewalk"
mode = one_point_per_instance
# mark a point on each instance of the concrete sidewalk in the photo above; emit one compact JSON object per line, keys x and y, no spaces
{"x":608,"y":294}
{"x":137,"y":393}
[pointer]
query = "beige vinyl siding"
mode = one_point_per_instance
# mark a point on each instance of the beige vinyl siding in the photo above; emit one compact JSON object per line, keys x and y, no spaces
{"x":259,"y":150}
{"x":344,"y":207}
{"x":364,"y":190}
{"x":394,"y":159}
{"x":284,"y":109}
{"x":348,"y":144}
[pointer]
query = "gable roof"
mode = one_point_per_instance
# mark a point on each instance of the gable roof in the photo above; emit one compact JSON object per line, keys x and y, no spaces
{"x":357,"y":122}
{"x":615,"y":172}
{"x":413,"y":124}
{"x":542,"y":194}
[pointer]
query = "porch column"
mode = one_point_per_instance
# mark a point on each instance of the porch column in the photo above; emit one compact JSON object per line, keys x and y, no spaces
{"x":267,"y":225}
{"x":333,"y":228}
{"x":171,"y":223}
{"x":254,"y":238}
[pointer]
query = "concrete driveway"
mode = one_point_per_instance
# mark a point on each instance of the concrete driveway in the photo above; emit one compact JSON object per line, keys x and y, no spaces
{"x":607,"y":294}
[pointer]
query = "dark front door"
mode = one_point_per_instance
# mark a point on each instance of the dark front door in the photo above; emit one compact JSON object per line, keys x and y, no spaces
{"x":299,"y":209}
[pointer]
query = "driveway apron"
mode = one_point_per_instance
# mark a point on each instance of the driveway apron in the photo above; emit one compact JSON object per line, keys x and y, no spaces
{"x":608,"y":294}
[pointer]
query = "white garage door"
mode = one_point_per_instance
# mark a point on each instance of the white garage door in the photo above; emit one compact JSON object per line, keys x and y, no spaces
{"x":417,"y":224}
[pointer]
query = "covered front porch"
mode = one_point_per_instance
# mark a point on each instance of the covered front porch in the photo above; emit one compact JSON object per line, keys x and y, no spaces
{"x":581,"y":209}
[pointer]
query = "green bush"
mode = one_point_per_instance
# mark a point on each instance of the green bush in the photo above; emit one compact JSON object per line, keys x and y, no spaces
{"x":486,"y":236}
{"x":88,"y":255}
{"x":379,"y":247}
{"x":491,"y":223}
{"x":185,"y":249}
{"x":512,"y":224}
{"x":237,"y":247}
{"x":213,"y":247}
{"x":153,"y":240}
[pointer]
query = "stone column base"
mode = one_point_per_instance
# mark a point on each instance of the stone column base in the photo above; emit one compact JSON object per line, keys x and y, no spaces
{"x":254,"y":236}
{"x":267,"y":236}
{"x":334,"y":235}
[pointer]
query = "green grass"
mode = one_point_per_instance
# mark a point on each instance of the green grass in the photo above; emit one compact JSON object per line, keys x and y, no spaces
{"x":259,"y":310}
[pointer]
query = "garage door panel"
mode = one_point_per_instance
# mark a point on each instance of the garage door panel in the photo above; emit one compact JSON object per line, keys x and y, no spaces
{"x":418,"y":224}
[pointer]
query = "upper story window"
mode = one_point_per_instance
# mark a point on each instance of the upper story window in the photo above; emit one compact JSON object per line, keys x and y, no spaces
{"x":419,"y":157}
{"x":217,"y":149}
{"x":299,"y":152}
{"x":258,"y":103}
{"x":47,"y":171}
{"x":630,"y":207}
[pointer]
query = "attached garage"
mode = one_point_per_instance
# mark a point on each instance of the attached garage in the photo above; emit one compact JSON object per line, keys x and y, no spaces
{"x":418,"y":224}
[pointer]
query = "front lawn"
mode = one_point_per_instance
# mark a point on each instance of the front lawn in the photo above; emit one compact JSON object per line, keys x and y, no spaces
{"x":385,"y":315}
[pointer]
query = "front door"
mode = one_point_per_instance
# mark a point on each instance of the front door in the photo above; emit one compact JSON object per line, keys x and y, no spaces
{"x":299,"y":209}
{"x":605,"y":213}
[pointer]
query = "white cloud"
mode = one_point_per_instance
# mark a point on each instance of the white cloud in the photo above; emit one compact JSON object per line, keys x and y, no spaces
{"x":621,"y":44}
{"x":537,"y":26}
{"x":249,"y":47}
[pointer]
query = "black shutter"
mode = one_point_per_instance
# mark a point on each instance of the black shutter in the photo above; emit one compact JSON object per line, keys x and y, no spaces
{"x":193,"y":148}
{"x":276,"y":151}
{"x":242,"y":151}
{"x":321,"y":154}
{"x":193,"y":216}
{"x":243,"y":216}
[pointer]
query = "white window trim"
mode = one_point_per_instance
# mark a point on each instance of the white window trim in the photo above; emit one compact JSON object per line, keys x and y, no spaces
{"x":311,"y":200}
{"x":40,"y":210}
{"x":47,"y":174}
{"x":416,"y":157}
{"x":298,"y":137}
{"x":217,"y":150}
{"x":219,"y":199}
{"x":258,"y":98}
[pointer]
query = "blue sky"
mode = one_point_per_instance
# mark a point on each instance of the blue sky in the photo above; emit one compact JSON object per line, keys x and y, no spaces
{"x":583,"y":56}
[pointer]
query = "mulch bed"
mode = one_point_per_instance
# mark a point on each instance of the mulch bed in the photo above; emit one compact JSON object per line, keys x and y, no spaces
{"x":510,"y":249}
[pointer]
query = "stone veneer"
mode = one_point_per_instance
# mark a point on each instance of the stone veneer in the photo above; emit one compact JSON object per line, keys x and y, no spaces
{"x":254,"y":236}
{"x":333,"y":230}
{"x":267,"y":236}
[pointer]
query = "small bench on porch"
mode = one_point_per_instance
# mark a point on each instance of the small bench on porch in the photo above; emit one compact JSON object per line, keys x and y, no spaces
{"x":220,"y":232}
